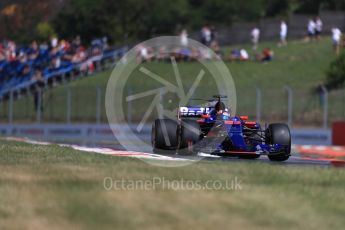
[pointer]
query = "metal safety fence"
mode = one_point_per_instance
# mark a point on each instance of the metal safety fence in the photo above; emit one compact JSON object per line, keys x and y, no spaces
{"x":68,"y":104}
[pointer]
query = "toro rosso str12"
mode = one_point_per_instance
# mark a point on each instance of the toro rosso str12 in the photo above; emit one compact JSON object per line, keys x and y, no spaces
{"x":213,"y":130}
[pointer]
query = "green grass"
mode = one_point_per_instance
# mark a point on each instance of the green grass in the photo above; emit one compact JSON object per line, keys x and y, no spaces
{"x":50,"y":187}
{"x":300,"y":65}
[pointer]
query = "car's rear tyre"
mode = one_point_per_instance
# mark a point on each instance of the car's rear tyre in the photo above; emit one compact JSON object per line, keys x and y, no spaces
{"x":164,"y":136}
{"x":189,"y":134}
{"x":279,"y":134}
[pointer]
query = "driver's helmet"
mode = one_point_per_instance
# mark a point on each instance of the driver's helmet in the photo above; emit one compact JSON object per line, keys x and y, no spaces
{"x":220,"y":109}
{"x":220,"y":106}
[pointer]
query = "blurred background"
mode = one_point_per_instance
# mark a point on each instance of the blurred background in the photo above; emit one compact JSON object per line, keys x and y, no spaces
{"x":286,"y":58}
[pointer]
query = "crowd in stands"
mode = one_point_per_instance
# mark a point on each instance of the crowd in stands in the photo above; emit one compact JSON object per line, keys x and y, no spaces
{"x":25,"y":64}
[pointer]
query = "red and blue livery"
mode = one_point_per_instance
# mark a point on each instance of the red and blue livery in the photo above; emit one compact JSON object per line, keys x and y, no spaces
{"x":213,"y":130}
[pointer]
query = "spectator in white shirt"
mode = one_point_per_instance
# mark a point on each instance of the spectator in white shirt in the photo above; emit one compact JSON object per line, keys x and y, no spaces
{"x":283,"y":34}
{"x":255,"y":37}
{"x":318,"y":28}
{"x":244,"y":56}
{"x":144,"y":54}
{"x":54,"y":42}
{"x":311,"y":30}
{"x":336,"y":38}
{"x":184,"y":38}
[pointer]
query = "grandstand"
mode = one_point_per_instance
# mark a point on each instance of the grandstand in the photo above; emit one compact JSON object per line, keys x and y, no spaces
{"x":26,"y":69}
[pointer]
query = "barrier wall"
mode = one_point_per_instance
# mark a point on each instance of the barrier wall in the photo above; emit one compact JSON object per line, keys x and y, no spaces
{"x":338,"y":130}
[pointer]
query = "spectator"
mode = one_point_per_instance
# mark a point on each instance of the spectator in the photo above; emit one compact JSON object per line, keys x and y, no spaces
{"x":37,"y":76}
{"x":22,"y":57}
{"x":318,"y":28}
{"x":336,"y":38}
{"x":25,"y":70}
{"x":97,"y":42}
{"x":79,"y":56}
{"x":206,"y":35}
{"x":184,"y":38}
{"x":11,"y":45}
{"x":33,"y":51}
{"x":244,"y":56}
{"x":54,"y":42}
{"x":63,"y":46}
{"x":2,"y":53}
{"x":310,"y":30}
{"x":55,"y":63}
{"x":38,"y":94}
{"x":283,"y":34}
{"x":239,"y":55}
{"x":255,"y":37}
{"x":235,"y":55}
{"x":76,"y":43}
{"x":162,"y":54}
{"x":205,"y":54}
{"x":181,"y":53}
{"x":105,"y":43}
{"x":195,"y":54}
{"x":216,"y":49}
{"x":44,"y":46}
{"x":214,"y":34}
{"x":185,"y":54}
{"x":266,"y":55}
{"x":96,"y":53}
{"x":320,"y":91}
{"x":68,"y":54}
{"x":10,"y":52}
{"x":144,"y":54}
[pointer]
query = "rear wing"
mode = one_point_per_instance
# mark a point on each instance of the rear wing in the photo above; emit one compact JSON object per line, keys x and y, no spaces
{"x":193,"y":111}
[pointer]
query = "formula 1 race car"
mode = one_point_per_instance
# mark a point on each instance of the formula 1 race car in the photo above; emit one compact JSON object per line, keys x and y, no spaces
{"x":214,"y":131}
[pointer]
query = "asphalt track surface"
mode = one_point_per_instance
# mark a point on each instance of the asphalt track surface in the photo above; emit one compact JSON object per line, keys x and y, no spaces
{"x":297,"y":157}
{"x":293,"y":160}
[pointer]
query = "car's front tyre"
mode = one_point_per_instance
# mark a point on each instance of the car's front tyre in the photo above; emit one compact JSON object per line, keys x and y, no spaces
{"x":279,"y":134}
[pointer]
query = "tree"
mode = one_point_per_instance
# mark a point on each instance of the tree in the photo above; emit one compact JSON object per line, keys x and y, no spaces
{"x":118,"y":19}
{"x":139,"y":19}
{"x":336,"y":72}
{"x":19,"y":18}
{"x":277,"y":7}
{"x":45,"y":30}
